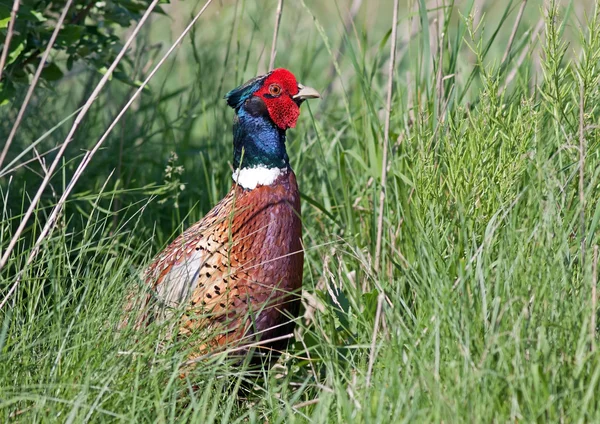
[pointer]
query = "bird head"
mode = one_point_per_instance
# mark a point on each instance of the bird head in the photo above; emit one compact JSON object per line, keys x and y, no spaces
{"x":277,"y":94}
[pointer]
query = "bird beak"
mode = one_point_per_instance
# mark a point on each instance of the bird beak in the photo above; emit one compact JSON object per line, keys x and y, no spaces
{"x":306,"y":93}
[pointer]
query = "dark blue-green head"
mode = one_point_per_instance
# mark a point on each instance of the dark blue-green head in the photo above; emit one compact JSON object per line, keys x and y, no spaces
{"x":266,"y":106}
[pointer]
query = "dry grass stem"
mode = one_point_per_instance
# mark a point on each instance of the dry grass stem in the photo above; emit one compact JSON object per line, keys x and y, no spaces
{"x":275,"y":34}
{"x":88,"y":156}
{"x":514,"y":32}
{"x":66,"y":142}
{"x":348,"y":22}
{"x":9,"y":34}
{"x":594,"y":298}
{"x":34,"y":82}
{"x":440,"y":66}
{"x":386,"y":135}
{"x":513,"y":73}
{"x":306,"y":403}
{"x":582,"y":169}
{"x":238,"y":348}
{"x":373,"y":354}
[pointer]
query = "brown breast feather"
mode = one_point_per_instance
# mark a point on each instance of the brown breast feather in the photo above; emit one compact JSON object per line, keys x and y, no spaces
{"x":239,"y":268}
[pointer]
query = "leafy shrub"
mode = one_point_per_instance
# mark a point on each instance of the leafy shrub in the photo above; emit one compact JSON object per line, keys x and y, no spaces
{"x":90,"y":37}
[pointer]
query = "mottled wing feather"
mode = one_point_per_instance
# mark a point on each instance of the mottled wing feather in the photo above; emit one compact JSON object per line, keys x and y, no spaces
{"x":173,"y":274}
{"x":192,"y":258}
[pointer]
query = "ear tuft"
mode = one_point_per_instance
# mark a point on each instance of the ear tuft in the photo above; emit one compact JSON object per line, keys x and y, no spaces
{"x":236,"y":97}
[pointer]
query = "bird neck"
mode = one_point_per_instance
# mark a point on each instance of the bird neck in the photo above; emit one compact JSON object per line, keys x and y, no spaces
{"x":259,"y":154}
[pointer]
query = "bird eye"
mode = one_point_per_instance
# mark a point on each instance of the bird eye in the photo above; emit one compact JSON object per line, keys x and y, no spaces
{"x":274,"y":90}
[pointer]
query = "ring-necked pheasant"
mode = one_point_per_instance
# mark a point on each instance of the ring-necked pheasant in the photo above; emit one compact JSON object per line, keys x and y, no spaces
{"x":237,"y":273}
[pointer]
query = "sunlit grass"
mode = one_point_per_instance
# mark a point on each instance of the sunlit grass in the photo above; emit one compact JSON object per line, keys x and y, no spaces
{"x":488,"y":263}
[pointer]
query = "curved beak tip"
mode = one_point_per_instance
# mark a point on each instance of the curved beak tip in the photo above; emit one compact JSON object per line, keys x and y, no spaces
{"x":306,"y":93}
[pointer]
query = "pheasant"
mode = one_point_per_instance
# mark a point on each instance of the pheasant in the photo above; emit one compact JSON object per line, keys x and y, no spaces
{"x":237,"y":273}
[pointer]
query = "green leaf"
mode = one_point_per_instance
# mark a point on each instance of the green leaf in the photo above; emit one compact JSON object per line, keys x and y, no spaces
{"x":39,"y":16}
{"x":124,"y":78}
{"x":52,"y":72}
{"x":385,"y":39}
{"x":7,"y":91}
{"x":4,"y":11}
{"x":71,"y":34}
{"x":4,"y":22}
{"x":13,"y":55}
{"x":159,"y":10}
{"x":104,"y":70}
{"x":369,"y":301}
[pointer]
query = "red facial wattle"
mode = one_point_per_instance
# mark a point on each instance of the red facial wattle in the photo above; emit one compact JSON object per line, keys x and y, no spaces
{"x":277,"y":92}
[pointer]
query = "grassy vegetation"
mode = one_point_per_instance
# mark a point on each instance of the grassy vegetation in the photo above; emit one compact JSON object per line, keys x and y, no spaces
{"x":486,"y":289}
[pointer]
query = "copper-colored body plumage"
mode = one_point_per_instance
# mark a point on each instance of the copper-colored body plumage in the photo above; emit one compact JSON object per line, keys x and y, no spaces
{"x":237,"y":272}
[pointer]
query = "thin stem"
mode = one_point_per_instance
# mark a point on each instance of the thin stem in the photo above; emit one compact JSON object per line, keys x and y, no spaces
{"x":439,"y":86}
{"x":34,"y":82}
{"x":9,"y":34}
{"x":582,"y":169}
{"x":386,"y":136}
{"x":239,"y":348}
{"x":514,"y":32}
{"x":69,"y":138}
{"x":372,"y":355}
{"x":594,"y":297}
{"x":354,"y":8}
{"x":275,"y":35}
{"x":513,"y":73}
{"x":90,"y":154}
{"x":83,"y":13}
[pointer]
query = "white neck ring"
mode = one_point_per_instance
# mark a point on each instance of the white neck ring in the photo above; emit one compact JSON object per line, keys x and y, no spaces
{"x":250,"y":178}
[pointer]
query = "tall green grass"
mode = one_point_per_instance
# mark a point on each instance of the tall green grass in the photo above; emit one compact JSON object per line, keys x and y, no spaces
{"x":485,"y":290}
